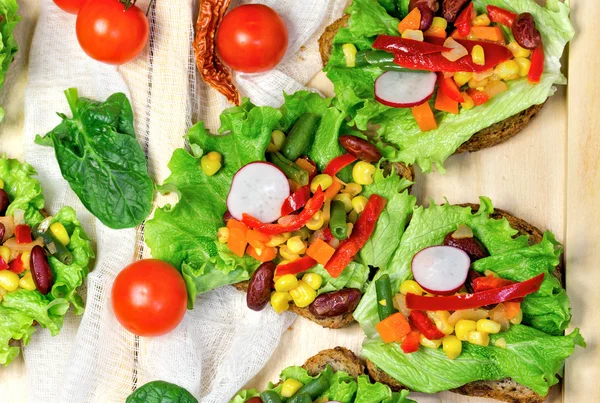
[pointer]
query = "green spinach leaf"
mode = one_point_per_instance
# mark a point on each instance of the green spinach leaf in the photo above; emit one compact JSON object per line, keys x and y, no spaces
{"x":161,"y":392}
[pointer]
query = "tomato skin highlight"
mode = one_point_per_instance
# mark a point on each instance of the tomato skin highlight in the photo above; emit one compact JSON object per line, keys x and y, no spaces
{"x":149,"y":297}
{"x":252,"y":38}
{"x":110,"y":34}
{"x":70,"y":6}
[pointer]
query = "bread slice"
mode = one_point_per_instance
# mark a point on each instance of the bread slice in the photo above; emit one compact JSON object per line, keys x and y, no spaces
{"x":340,"y":321}
{"x":339,"y":359}
{"x":488,"y":137}
{"x":505,"y":390}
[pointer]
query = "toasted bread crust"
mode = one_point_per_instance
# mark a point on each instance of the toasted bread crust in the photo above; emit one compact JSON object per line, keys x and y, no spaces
{"x":339,"y":358}
{"x":493,"y":135}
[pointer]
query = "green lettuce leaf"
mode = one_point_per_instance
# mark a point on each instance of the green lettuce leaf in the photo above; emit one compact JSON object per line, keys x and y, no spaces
{"x":8,"y":45}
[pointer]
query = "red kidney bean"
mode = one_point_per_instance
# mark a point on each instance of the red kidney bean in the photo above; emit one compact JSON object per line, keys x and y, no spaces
{"x":40,"y":270}
{"x":525,"y":32}
{"x":335,"y":303}
{"x":472,"y":246}
{"x":451,"y":9}
{"x":4,"y":202}
{"x":361,"y":149}
{"x":427,"y":9}
{"x":255,"y":399}
{"x":259,"y":288}
{"x":227,"y":216}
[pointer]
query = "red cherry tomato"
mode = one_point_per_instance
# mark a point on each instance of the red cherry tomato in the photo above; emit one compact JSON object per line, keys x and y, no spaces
{"x":252,"y":38}
{"x":70,"y":6}
{"x":149,"y":297}
{"x":109,"y":33}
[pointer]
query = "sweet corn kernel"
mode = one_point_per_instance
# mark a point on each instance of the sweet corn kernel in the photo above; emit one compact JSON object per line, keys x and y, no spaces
{"x":353,"y":189}
{"x":440,"y":318}
{"x":26,"y":259}
{"x":359,"y":203}
{"x":210,"y":163}
{"x":517,"y":50}
{"x":223,"y":235}
{"x":1,"y":184}
{"x":468,"y":104}
{"x":352,"y":217}
{"x":439,"y":22}
{"x":287,"y":254}
{"x":517,"y":319}
{"x":290,"y":387}
{"x":410,"y":286}
{"x":501,"y":342}
{"x":479,"y":338}
{"x":303,"y":295}
{"x":488,"y":326}
{"x":478,"y":55}
{"x":452,"y":346}
{"x":276,"y":240}
{"x":316,"y":221}
{"x":464,"y":327}
{"x":5,"y":253}
{"x":477,"y":84}
{"x":524,"y":66}
{"x":27,"y":282}
{"x":508,"y":70}
{"x":462,"y":77}
{"x":425,"y":342}
{"x":481,"y":21}
{"x":349,"y":54}
{"x":362,"y":173}
{"x":494,"y":88}
{"x":349,"y":228}
{"x":9,"y":280}
{"x":286,"y":283}
{"x":346,"y":199}
{"x":322,"y":180}
{"x":296,"y":245}
{"x":414,"y":34}
{"x":60,"y":233}
{"x":280,"y":301}
{"x":314,"y":280}
{"x":277,"y":140}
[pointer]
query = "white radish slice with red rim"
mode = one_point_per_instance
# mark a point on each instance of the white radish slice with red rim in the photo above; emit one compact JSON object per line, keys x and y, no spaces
{"x":441,"y":269}
{"x":258,"y":189}
{"x":404,"y":89}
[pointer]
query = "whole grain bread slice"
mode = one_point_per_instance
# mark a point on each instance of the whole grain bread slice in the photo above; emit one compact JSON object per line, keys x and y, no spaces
{"x":488,"y":137}
{"x":505,"y":390}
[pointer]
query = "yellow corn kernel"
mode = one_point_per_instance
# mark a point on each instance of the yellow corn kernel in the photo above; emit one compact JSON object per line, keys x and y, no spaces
{"x":296,"y":245}
{"x":517,"y":319}
{"x":26,"y":259}
{"x":501,"y":342}
{"x":462,"y":77}
{"x":303,"y":295}
{"x":359,"y":203}
{"x":494,"y":88}
{"x":362,"y":173}
{"x":322,"y":180}
{"x":488,"y":326}
{"x":508,"y":70}
{"x":350,"y":54}
{"x":517,"y":50}
{"x":277,"y":139}
{"x":223,"y":235}
{"x":464,"y":327}
{"x":287,"y":254}
{"x":425,"y":342}
{"x":1,"y":184}
{"x":481,"y":21}
{"x":410,"y":286}
{"x":478,"y":84}
{"x":290,"y":387}
{"x":452,"y":346}
{"x":27,"y":282}
{"x":314,"y":280}
{"x":468,"y":104}
{"x":479,"y":338}
{"x":440,"y":318}
{"x":5,"y":253}
{"x":478,"y":55}
{"x":316,"y":221}
{"x":346,"y":199}
{"x":414,"y":34}
{"x":286,"y":283}
{"x":349,"y":228}
{"x":524,"y":66}
{"x":280,"y":301}
{"x":9,"y":280}
{"x":60,"y":233}
{"x":276,"y":240}
{"x":352,"y":217}
{"x":210,"y":163}
{"x":353,"y":189}
{"x":439,"y":22}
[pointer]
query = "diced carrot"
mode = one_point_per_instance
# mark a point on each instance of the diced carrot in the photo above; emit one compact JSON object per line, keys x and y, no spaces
{"x":265,"y":254}
{"x":307,"y":166}
{"x":237,"y":241}
{"x":232,"y":223}
{"x":492,"y":34}
{"x":393,"y":328}
{"x":411,"y":21}
{"x":436,"y":32}
{"x":257,"y":239}
{"x":333,"y":190}
{"x":424,"y":117}
{"x":444,"y":103}
{"x":321,"y":251}
{"x":511,"y":309}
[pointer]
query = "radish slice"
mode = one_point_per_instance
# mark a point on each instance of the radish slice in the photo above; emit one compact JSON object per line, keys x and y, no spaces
{"x":404,"y":89}
{"x":441,"y":269}
{"x":258,"y":189}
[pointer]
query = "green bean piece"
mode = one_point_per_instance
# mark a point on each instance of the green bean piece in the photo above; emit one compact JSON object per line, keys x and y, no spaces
{"x":300,"y":398}
{"x":337,"y":222}
{"x":300,"y":138}
{"x":62,"y":253}
{"x":381,"y":59}
{"x":385,"y":304}
{"x":315,"y":388}
{"x":289,"y":168}
{"x":270,"y":396}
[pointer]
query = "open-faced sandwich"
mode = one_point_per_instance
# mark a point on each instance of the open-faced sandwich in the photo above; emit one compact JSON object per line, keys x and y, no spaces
{"x":43,"y":260}
{"x":335,"y":375}
{"x":472,"y":302}
{"x":439,"y":77}
{"x":286,"y":205}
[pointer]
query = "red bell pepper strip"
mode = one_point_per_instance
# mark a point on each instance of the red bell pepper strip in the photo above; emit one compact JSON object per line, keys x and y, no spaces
{"x":475,"y":300}
{"x":489,"y":283}
{"x":397,"y":44}
{"x":479,"y":97}
{"x":449,"y":88}
{"x":339,"y":163}
{"x":421,"y":321}
{"x":296,"y":200}
{"x":296,"y":267}
{"x":411,"y":342}
{"x":17,"y":266}
{"x":537,"y":65}
{"x":311,"y":208}
{"x":501,"y":15}
{"x":463,"y":21}
{"x":3,"y":264}
{"x":364,"y":227}
{"x":23,"y":233}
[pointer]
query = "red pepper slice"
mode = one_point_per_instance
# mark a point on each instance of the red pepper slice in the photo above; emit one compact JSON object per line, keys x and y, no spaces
{"x":17,"y":266}
{"x":501,"y":15}
{"x":537,"y":65}
{"x":421,"y":321}
{"x":364,"y":227}
{"x":475,"y":300}
{"x":339,"y":163}
{"x":463,"y":21}
{"x":296,"y":200}
{"x":411,"y":342}
{"x":312,"y":206}
{"x":296,"y":267}
{"x":23,"y":233}
{"x":449,"y":88}
{"x":397,"y":44}
{"x":3,"y":264}
{"x":489,"y":283}
{"x":479,"y":97}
